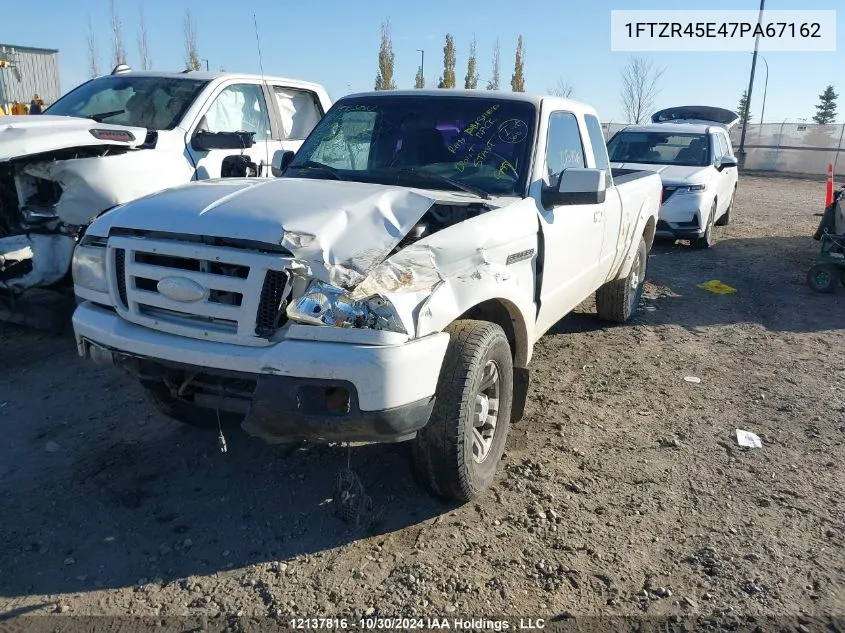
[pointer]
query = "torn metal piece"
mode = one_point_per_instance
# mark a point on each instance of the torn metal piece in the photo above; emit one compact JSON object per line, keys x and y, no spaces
{"x":34,"y":260}
{"x":92,"y":185}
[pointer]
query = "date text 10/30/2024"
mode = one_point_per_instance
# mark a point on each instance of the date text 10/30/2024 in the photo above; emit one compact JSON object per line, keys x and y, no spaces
{"x":421,"y":624}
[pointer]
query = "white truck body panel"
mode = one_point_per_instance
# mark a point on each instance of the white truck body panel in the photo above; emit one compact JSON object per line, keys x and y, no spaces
{"x":531,"y":260}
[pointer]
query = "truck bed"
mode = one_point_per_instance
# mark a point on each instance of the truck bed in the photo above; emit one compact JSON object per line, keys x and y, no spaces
{"x":621,"y":176}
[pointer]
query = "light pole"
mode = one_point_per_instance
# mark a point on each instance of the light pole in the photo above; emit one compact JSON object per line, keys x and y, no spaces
{"x":765,"y":89}
{"x":741,"y":153}
{"x":422,"y":62}
{"x":206,"y":64}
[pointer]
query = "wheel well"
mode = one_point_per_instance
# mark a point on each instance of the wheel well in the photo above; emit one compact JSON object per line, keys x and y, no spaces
{"x":507,"y":316}
{"x":648,"y":233}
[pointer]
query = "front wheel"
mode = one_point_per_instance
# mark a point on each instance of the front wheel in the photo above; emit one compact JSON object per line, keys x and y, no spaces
{"x":456,"y":454}
{"x":726,"y":216}
{"x":706,"y":240}
{"x":617,"y":300}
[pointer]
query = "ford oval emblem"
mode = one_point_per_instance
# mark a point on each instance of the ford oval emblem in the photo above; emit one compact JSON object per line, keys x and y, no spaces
{"x":180,"y":289}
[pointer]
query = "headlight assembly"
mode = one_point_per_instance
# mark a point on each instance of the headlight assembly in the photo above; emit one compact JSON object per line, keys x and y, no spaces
{"x":325,"y":304}
{"x":89,"y":268}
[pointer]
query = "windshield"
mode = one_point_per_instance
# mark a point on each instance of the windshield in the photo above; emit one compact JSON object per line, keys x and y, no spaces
{"x":155,"y":103}
{"x":656,"y":148}
{"x":479,"y":145}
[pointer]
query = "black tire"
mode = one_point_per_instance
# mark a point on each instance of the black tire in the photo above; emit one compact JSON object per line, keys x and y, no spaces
{"x":618,"y":300}
{"x":706,"y":240}
{"x":446,"y":457}
{"x":823,"y":277}
{"x":186,"y":412}
{"x":726,"y":216}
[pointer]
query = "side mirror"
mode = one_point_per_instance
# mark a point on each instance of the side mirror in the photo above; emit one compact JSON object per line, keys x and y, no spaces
{"x":205,"y":141}
{"x":281,"y":160}
{"x":727,"y":161}
{"x":577,"y":185}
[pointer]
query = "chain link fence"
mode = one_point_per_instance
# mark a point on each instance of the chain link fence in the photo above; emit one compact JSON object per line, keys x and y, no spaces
{"x":793,"y":148}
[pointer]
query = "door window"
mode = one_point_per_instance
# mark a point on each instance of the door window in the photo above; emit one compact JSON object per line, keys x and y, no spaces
{"x":298,"y":110}
{"x":239,"y":108}
{"x":599,"y":146}
{"x":563,"y":147}
{"x":723,"y":145}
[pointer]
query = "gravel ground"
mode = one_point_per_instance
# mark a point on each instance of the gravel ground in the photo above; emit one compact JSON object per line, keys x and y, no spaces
{"x":622,"y":492}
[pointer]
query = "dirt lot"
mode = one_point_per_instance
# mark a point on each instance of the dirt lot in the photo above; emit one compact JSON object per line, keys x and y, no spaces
{"x":622,"y":492}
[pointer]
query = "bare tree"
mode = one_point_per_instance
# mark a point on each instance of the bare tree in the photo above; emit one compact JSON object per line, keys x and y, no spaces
{"x":448,"y":78}
{"x":639,"y":88}
{"x":384,"y":78}
{"x":117,"y":47}
{"x":562,"y":89}
{"x":144,"y":43}
{"x":192,"y":56}
{"x":471,"y":79}
{"x":93,"y":51}
{"x":518,"y":77}
{"x":493,"y":83}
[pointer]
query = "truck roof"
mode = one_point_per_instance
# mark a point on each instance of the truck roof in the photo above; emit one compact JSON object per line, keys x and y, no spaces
{"x":535,"y":99}
{"x":673,"y":128}
{"x":203,"y":75}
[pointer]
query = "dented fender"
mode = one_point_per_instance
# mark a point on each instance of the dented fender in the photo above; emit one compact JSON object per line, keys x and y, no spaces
{"x":487,"y":258}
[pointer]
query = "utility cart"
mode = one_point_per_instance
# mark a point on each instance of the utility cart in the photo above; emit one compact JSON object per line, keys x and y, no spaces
{"x":824,"y":276}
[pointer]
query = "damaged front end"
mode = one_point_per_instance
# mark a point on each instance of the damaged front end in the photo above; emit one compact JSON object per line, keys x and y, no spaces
{"x":36,"y":241}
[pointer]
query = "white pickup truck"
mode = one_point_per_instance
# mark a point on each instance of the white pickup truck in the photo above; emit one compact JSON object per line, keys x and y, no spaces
{"x":390,"y":285}
{"x":122,"y":136}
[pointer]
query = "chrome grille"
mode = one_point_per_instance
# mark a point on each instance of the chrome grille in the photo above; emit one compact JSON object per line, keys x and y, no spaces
{"x":240,"y":293}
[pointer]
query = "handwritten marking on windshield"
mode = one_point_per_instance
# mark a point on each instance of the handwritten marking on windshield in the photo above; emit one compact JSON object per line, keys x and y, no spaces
{"x":361,"y":107}
{"x":482,"y":123}
{"x":513,"y":131}
{"x":454,"y":147}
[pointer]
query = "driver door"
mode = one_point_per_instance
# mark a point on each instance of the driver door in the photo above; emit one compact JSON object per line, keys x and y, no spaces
{"x":572,"y":233}
{"x":239,"y":107}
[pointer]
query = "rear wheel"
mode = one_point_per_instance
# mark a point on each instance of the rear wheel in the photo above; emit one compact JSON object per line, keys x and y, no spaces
{"x":456,"y":454}
{"x":186,"y":412}
{"x":823,"y":277}
{"x":706,"y":240}
{"x":617,"y":300}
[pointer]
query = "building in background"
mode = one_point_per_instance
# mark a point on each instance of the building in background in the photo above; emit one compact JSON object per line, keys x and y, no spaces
{"x":26,"y":71}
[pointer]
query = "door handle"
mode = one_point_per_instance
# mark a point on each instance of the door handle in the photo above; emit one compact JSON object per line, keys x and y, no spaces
{"x":597,"y":216}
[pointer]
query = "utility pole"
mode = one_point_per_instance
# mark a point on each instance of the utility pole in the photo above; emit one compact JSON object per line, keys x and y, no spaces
{"x":422,"y":61}
{"x":741,"y":152}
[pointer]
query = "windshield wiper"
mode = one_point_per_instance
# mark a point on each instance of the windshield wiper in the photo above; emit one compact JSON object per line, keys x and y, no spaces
{"x":103,"y":115}
{"x":435,"y":177}
{"x":312,"y":164}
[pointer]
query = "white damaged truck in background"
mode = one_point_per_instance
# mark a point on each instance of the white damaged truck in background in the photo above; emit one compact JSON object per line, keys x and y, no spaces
{"x":389,"y":286}
{"x":122,"y":136}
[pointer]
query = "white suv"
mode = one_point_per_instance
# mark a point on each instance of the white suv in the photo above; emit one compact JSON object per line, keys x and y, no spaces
{"x":690,"y":148}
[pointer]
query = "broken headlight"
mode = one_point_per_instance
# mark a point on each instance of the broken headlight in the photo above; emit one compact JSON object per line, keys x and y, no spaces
{"x":325,"y":304}
{"x":89,"y":268}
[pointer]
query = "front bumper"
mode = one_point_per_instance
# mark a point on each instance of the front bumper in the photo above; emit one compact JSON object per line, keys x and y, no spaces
{"x":679,"y":230}
{"x":303,"y":390}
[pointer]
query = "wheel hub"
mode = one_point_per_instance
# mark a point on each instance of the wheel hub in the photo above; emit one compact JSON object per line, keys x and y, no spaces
{"x":485,"y":414}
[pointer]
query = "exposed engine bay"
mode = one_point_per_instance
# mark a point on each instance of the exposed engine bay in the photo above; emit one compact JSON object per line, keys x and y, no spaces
{"x":35,"y":243}
{"x":440,"y":216}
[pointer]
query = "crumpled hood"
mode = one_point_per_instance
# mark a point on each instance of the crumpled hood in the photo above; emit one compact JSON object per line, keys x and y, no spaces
{"x":27,"y":135}
{"x":671,"y":174}
{"x":342,"y":230}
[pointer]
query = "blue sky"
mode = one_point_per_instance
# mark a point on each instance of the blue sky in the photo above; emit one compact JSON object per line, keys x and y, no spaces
{"x":336,"y":43}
